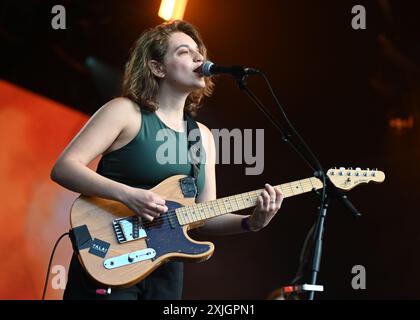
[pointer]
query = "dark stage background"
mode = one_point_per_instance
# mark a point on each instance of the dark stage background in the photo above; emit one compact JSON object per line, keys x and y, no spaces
{"x":340,"y":87}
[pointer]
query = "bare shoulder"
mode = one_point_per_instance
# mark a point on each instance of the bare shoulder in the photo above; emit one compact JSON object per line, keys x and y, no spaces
{"x":204,"y":130}
{"x":106,"y":129}
{"x":120,"y":115}
{"x":208,"y":140}
{"x":120,"y":108}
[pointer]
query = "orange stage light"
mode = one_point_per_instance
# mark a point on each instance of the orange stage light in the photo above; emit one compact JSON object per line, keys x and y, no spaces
{"x":172,"y":9}
{"x":35,"y":210}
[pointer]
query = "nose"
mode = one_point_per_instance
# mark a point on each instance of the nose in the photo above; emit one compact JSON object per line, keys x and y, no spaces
{"x":198,"y":56}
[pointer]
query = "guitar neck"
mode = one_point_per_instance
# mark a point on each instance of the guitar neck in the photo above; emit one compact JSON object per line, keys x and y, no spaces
{"x":218,"y":207}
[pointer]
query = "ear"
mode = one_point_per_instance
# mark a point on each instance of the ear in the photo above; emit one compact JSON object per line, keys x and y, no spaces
{"x":156,"y":68}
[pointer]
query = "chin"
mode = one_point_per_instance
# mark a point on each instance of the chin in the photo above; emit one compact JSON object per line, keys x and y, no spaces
{"x":198,"y":86}
{"x":202,"y":84}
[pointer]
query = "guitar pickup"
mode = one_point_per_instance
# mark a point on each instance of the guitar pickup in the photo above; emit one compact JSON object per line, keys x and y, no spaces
{"x":128,"y":229}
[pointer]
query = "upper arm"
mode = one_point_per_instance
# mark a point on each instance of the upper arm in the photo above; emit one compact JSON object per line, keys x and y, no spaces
{"x":99,"y":132}
{"x":209,"y":190}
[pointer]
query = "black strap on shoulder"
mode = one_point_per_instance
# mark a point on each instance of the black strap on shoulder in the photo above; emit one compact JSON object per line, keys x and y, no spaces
{"x":194,"y":145}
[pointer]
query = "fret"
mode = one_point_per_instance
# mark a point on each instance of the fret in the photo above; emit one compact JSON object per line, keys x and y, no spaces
{"x":230,"y":204}
{"x":241,"y":206}
{"x":195,"y":214}
{"x":222,"y":209}
{"x":203,"y":212}
{"x":224,"y":204}
{"x":302,"y":189}
{"x":279,"y":187}
{"x":241,"y":198}
{"x":247,"y":199}
{"x":207,"y":208}
{"x":216,"y":207}
{"x":187,"y":216}
{"x":179,"y":215}
{"x":200,"y":214}
{"x":312,"y":185}
{"x":210,"y":209}
{"x":240,"y":202}
{"x":291,"y":189}
{"x":296,"y":187}
{"x":235,"y":202}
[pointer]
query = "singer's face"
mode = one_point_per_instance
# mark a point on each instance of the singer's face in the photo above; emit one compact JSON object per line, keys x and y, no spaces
{"x":182,"y":58}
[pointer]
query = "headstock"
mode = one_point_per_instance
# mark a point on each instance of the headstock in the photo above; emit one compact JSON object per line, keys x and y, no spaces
{"x":347,"y":179}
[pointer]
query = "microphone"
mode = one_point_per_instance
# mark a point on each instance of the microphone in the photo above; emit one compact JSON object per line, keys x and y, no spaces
{"x":208,"y":69}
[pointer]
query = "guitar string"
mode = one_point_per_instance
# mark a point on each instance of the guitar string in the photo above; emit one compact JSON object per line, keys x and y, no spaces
{"x":207,"y":205}
{"x":287,"y":189}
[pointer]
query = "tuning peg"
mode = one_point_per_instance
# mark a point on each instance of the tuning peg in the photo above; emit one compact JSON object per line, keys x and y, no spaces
{"x":366,"y":172}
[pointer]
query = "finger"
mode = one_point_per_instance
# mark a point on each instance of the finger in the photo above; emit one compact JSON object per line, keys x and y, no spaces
{"x":270,"y":191}
{"x":151,"y":212}
{"x":158,"y":200}
{"x":260,"y":202}
{"x":266,"y":199}
{"x":146,"y":216}
{"x":161,"y":208}
{"x":272,"y":194}
{"x":279,"y":197}
{"x":156,"y":208}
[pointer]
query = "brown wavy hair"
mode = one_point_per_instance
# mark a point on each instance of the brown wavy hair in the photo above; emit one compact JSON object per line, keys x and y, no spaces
{"x":140,"y":84}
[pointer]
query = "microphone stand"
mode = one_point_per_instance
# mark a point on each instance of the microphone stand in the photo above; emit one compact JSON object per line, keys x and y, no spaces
{"x":329,"y":190}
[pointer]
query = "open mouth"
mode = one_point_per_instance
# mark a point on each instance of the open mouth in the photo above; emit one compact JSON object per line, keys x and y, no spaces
{"x":198,"y":69}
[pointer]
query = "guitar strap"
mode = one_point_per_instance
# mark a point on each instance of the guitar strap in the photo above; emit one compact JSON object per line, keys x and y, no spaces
{"x":194,"y":146}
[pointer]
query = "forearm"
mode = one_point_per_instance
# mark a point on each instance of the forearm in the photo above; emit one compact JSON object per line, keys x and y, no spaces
{"x":225,"y":225}
{"x":79,"y":178}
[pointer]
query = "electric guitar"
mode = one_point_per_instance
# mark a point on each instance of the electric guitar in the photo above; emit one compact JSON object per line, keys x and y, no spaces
{"x":118,"y":249}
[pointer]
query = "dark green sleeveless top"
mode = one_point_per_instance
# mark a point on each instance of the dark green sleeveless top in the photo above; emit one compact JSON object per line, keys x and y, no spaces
{"x":155,"y":153}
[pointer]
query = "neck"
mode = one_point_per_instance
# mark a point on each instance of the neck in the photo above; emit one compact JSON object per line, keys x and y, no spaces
{"x":171,"y":103}
{"x":214,"y":208}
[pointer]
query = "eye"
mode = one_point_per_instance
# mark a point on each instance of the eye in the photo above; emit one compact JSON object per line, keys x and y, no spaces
{"x":183,"y":51}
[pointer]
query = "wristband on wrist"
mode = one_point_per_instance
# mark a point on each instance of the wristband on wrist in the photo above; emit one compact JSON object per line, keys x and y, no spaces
{"x":245,"y":224}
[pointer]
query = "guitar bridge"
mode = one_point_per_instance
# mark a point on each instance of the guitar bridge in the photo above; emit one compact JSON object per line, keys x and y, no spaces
{"x":129,"y":258}
{"x":128,"y":229}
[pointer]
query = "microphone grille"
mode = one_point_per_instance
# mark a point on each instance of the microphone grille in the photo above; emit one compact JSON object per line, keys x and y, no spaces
{"x":205,"y":68}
